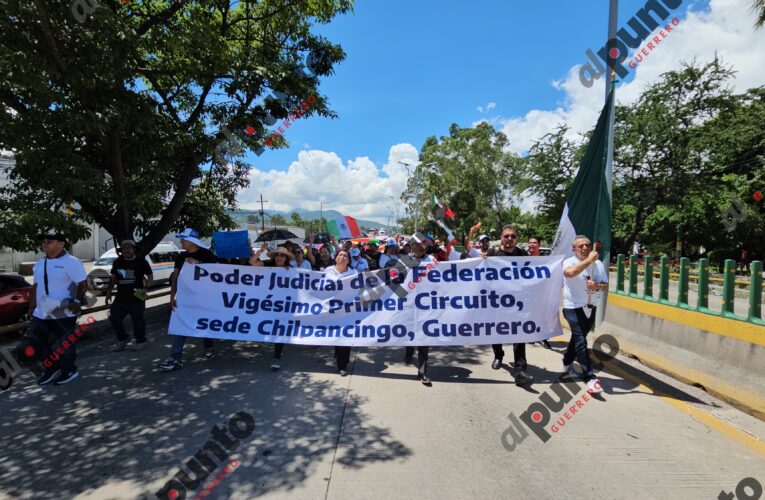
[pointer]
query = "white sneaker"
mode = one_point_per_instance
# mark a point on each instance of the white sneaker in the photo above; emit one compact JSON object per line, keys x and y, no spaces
{"x":594,"y":386}
{"x":276,"y":364}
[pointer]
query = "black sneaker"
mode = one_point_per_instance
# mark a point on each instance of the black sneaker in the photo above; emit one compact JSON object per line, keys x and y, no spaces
{"x":424,"y":379}
{"x":49,"y":376}
{"x":523,"y":378}
{"x":496,"y":364}
{"x":67,"y":377}
{"x":170,"y":364}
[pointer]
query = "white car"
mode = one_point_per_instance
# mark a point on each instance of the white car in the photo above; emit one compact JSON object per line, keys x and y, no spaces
{"x":161,"y":259}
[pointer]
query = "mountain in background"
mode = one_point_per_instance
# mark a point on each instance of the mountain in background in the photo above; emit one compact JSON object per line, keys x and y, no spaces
{"x":240,"y":216}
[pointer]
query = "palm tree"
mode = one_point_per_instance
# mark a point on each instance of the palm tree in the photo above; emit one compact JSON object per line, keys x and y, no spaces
{"x":758,"y":7}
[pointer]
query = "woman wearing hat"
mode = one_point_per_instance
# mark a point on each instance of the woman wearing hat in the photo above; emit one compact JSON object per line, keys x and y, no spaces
{"x":341,"y":269}
{"x":280,"y":257}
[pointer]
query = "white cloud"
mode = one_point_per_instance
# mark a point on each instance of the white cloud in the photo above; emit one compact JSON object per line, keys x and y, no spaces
{"x":725,"y":29}
{"x":487,"y":108}
{"x":358,"y":188}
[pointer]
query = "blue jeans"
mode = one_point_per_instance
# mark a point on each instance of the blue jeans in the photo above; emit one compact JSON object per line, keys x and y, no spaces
{"x":176,"y":351}
{"x":63,"y":352}
{"x":577,"y":347}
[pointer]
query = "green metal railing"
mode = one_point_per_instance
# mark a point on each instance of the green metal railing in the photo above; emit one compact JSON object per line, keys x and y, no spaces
{"x":631,"y":271}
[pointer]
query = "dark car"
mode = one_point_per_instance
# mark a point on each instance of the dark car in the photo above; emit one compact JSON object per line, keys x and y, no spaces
{"x":15,"y":294}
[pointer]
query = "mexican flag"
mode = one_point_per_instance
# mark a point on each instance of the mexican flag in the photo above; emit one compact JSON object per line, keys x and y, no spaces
{"x":343,"y":228}
{"x":588,"y":206}
{"x":439,"y":210}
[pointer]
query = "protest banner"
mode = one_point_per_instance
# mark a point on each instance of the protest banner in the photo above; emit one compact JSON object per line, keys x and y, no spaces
{"x":231,"y":244}
{"x":475,"y":301}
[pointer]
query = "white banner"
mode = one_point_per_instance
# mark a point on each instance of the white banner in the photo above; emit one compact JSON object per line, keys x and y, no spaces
{"x":498,"y":300}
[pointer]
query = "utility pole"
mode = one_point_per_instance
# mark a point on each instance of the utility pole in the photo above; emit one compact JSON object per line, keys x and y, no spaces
{"x":321,"y":215}
{"x":262,"y":213}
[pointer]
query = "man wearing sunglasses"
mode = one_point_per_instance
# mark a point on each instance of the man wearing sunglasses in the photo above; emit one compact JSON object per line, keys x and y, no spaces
{"x":509,"y":240}
{"x":585,"y":276}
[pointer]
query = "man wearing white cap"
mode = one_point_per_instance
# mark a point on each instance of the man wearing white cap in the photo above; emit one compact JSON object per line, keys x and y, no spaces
{"x":196,"y":252}
{"x":390,"y":257}
{"x":419,"y":243}
{"x":483,"y":240}
{"x":358,"y":263}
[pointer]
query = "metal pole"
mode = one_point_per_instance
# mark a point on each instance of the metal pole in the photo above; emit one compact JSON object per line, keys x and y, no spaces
{"x":613,"y":18}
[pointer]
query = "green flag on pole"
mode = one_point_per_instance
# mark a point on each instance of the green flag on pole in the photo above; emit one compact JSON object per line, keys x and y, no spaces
{"x":588,"y":206}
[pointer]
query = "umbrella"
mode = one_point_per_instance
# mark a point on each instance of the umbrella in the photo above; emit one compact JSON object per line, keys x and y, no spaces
{"x":320,"y":238}
{"x":275,"y":234}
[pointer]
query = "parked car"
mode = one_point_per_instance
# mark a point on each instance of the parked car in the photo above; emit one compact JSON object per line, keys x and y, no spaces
{"x":161,"y":259}
{"x":15,"y":296}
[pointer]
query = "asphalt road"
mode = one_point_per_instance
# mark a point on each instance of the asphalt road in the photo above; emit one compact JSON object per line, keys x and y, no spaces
{"x":123,"y":429}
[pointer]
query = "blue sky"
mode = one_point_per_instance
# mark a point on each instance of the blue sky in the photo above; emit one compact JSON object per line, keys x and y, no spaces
{"x":415,"y":67}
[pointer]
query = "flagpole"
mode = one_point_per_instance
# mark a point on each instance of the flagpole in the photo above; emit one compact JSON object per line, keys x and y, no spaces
{"x":613,"y":18}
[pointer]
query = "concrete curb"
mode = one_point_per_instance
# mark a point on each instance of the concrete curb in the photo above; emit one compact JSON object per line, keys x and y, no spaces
{"x":737,"y":396}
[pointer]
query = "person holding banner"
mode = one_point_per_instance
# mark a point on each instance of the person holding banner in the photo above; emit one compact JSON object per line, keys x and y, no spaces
{"x":585,"y":276}
{"x":419,"y":243}
{"x":534,"y":252}
{"x":391,"y":256}
{"x":280,"y":257}
{"x":324,"y":261}
{"x":358,"y":263}
{"x":196,"y":252}
{"x":299,"y":261}
{"x":341,"y":269}
{"x":509,"y":249}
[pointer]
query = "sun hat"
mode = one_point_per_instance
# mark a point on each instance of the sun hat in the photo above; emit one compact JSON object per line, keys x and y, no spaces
{"x":483,"y":237}
{"x":280,"y":251}
{"x":192,"y":235}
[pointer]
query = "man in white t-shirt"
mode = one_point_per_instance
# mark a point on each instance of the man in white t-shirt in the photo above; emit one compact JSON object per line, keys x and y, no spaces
{"x":358,"y":263}
{"x":58,"y":295}
{"x":585,"y":277}
{"x":391,"y":256}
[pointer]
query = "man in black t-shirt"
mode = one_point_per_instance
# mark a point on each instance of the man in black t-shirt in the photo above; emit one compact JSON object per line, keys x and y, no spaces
{"x":373,"y":255}
{"x":129,"y":273}
{"x":196,"y":252}
{"x":509,"y":249}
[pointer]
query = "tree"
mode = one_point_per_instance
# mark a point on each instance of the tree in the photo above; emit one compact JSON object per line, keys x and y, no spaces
{"x":296,"y":219}
{"x":470,"y":172}
{"x":120,"y":113}
{"x":758,"y":7}
{"x":548,"y":172}
{"x":277,"y":220}
{"x":660,"y":156}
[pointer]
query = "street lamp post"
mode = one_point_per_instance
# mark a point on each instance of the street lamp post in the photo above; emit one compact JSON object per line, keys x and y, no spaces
{"x":417,"y":191}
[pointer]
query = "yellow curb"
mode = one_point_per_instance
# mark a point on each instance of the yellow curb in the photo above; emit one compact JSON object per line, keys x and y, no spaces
{"x":741,"y":330}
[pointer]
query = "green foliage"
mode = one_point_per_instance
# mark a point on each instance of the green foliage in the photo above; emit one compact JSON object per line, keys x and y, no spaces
{"x":470,"y":172}
{"x":121,"y":114}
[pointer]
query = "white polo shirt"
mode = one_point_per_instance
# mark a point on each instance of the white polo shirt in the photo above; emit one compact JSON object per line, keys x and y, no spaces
{"x":575,"y":289}
{"x":64,"y":273}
